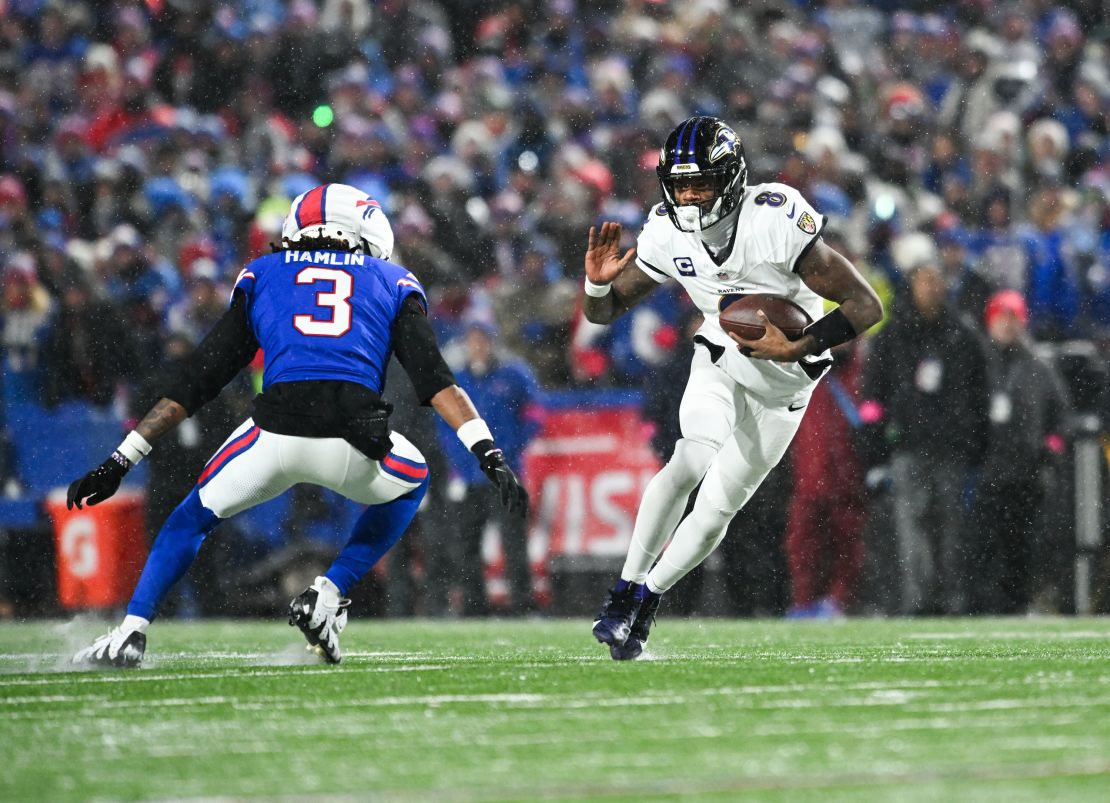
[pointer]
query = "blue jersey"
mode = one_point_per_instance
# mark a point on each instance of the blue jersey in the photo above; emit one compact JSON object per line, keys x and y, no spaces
{"x":325,"y":314}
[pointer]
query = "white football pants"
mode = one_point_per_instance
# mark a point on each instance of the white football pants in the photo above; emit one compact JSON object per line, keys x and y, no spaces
{"x":253,"y":466}
{"x":730,"y":442}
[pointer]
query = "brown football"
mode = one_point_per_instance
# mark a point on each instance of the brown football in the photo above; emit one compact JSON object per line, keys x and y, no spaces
{"x":740,"y":316}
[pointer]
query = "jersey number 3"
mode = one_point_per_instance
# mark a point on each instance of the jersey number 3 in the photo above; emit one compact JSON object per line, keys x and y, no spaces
{"x":336,"y":300}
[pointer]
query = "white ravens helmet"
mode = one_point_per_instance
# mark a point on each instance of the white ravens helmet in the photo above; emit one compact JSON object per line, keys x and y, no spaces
{"x":342,"y":213}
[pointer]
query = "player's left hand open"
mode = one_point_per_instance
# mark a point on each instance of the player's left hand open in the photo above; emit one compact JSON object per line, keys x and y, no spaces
{"x":99,"y":484}
{"x":492,"y":460}
{"x":772,"y":346}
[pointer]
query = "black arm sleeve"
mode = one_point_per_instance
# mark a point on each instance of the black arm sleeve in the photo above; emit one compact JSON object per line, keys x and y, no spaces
{"x":415,"y":345}
{"x":223,"y":353}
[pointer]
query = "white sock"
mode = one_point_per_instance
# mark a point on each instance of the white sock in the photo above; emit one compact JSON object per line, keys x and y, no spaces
{"x":328,"y":587}
{"x":132,"y":622}
{"x":662,"y":506}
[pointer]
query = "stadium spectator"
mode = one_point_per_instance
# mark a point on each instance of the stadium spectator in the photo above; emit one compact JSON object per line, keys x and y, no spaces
{"x":177,"y":462}
{"x":1052,"y":291}
{"x":506,"y":388}
{"x":25,"y":309}
{"x":88,"y":349}
{"x":422,"y":567}
{"x":967,"y":289}
{"x":18,"y":226}
{"x":1029,"y":418}
{"x":996,"y":246}
{"x":823,"y":540}
{"x":203,"y":301}
{"x":926,"y":377}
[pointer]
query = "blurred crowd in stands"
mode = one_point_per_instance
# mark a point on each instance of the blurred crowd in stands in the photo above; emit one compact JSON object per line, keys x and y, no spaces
{"x":148,"y":149}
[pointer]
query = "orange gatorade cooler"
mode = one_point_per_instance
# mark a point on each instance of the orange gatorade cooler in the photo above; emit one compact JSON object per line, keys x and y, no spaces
{"x":100,"y":550}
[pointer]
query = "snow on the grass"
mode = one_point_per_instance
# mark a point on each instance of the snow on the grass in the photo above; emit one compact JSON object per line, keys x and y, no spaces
{"x":65,"y":638}
{"x":293,"y":655}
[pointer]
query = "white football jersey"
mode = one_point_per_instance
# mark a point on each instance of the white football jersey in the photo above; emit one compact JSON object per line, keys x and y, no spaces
{"x":775,"y":228}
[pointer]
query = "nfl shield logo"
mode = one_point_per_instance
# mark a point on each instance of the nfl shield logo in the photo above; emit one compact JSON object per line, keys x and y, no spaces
{"x":722,"y":275}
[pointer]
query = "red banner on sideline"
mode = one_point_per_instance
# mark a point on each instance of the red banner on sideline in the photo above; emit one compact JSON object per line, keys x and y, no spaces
{"x":586,"y":472}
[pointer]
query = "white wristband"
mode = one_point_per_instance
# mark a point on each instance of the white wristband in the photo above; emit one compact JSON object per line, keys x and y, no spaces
{"x":134,"y":447}
{"x":473,"y":431}
{"x":597,"y":290}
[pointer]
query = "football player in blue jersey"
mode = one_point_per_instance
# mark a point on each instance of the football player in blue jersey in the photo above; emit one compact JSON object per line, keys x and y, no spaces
{"x":327,"y":309}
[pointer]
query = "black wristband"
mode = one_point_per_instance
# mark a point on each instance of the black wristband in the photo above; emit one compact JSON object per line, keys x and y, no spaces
{"x":482,"y":448}
{"x":830,"y":331}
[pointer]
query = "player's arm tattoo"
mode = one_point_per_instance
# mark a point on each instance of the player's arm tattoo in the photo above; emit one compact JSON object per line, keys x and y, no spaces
{"x":454,"y":406}
{"x":629,"y":288}
{"x":833,"y":277}
{"x":163,"y":417}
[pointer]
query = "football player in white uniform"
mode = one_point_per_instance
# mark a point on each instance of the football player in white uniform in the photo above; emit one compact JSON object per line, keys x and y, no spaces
{"x":720,"y":239}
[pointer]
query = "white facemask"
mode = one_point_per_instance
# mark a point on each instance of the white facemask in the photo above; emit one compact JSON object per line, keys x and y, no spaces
{"x":689,"y":217}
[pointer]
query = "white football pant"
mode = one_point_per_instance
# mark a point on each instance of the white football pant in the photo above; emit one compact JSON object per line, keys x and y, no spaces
{"x":253,"y":466}
{"x":730,"y":442}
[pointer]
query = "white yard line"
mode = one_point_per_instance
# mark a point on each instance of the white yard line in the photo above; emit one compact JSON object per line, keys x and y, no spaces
{"x":1005,"y":635}
{"x":54,"y":698}
{"x":144,"y":676}
{"x":753,"y":697}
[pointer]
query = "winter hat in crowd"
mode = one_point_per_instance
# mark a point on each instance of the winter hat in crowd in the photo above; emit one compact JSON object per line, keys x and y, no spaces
{"x":1004,"y":301}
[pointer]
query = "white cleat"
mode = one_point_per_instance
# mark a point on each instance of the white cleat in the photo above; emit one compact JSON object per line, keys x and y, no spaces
{"x":320,"y":614}
{"x":119,"y":649}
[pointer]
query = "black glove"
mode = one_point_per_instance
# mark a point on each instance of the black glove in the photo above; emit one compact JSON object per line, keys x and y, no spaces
{"x":99,"y":484}
{"x":492,"y":461}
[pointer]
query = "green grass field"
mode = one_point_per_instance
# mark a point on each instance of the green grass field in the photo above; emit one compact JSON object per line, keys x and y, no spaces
{"x":1009,"y":710}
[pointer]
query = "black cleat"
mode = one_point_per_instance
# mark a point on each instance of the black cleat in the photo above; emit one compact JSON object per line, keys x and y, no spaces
{"x":115,"y":650}
{"x":614,"y":620}
{"x":638,"y":634}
